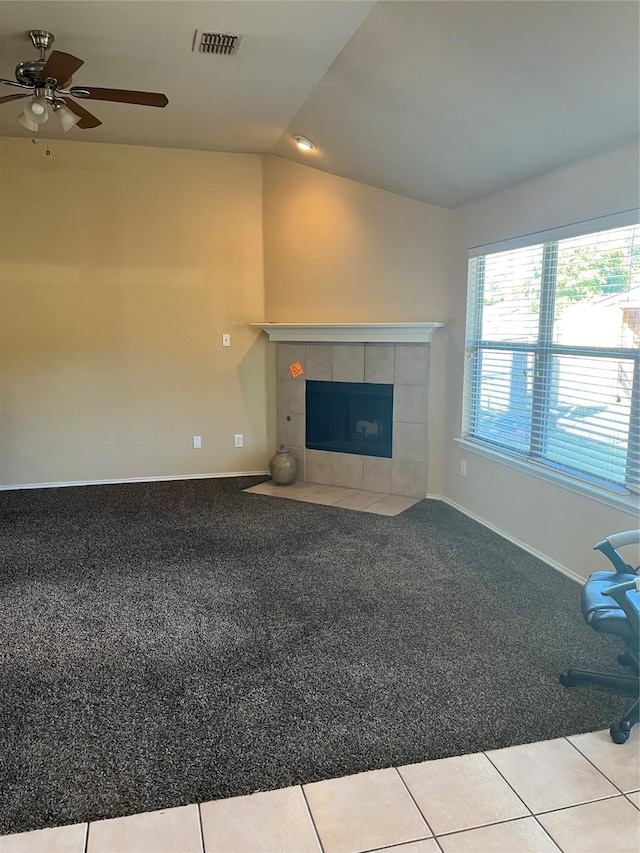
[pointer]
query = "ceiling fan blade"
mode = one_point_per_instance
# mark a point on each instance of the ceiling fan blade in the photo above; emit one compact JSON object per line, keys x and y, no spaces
{"x":61,"y":66}
{"x":87,"y":120}
{"x":120,"y":96}
{"x":8,"y":98}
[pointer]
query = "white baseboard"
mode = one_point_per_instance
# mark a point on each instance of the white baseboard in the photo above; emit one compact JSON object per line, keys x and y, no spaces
{"x":544,"y":557}
{"x":132,"y":480}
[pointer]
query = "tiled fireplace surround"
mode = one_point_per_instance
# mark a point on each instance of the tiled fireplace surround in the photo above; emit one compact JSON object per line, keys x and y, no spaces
{"x":406,"y":366}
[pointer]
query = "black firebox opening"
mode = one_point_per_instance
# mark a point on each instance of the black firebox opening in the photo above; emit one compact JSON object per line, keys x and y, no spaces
{"x":349,"y":417}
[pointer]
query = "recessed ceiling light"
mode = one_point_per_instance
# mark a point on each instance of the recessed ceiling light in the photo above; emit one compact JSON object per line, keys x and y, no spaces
{"x":303,"y":143}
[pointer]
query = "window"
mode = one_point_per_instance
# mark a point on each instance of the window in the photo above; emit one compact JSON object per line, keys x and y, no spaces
{"x":553,"y":373}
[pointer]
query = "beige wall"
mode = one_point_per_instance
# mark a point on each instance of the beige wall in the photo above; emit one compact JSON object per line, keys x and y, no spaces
{"x":340,"y":251}
{"x":546,"y":517}
{"x":120,"y":267}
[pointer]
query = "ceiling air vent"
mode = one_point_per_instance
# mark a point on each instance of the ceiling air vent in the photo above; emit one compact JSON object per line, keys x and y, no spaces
{"x":222,"y":43}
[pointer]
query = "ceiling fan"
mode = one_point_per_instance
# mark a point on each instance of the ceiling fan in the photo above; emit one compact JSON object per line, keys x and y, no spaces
{"x":47,"y":83}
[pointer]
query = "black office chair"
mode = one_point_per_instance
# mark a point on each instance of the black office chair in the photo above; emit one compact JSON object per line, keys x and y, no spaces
{"x":610,"y":604}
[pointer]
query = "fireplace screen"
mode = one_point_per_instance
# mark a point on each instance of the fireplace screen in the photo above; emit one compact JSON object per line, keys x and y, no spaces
{"x":349,"y":417}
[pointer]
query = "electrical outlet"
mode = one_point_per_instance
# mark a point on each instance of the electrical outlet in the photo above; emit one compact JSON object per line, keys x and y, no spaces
{"x":463,"y":467}
{"x":197,"y":442}
{"x":238,"y":441}
{"x":226,"y":340}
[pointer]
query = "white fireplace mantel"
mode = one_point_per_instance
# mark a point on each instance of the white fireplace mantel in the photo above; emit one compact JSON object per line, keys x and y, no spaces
{"x":393,"y":333}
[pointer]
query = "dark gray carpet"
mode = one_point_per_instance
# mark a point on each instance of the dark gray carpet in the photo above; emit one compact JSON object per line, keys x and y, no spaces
{"x":167,"y":643}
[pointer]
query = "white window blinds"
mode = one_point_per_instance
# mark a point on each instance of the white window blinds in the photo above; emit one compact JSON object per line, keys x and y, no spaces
{"x":553,"y":370}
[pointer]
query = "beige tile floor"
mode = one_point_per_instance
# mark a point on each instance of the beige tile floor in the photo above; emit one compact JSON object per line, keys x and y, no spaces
{"x":357,"y":499}
{"x":576,"y":795}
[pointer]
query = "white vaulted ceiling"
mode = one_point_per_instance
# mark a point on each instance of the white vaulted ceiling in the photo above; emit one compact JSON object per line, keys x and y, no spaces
{"x":442,"y":101}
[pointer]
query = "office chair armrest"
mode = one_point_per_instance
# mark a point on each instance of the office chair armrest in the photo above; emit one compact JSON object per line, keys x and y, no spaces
{"x":630,"y":606}
{"x":627,"y":537}
{"x":610,"y":545}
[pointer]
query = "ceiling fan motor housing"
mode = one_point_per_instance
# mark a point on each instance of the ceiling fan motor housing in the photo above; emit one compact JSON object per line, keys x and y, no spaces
{"x":29,"y":71}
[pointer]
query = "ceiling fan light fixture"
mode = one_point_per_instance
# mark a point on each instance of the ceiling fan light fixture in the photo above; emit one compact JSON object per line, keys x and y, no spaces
{"x":37,"y":110}
{"x":66,"y":118}
{"x":303,"y":143}
{"x":26,"y":122}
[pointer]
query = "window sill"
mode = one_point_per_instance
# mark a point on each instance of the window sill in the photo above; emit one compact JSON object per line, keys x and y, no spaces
{"x":625,"y":502}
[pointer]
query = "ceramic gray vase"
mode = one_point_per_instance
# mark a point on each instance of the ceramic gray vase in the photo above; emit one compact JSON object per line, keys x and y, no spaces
{"x":283,"y":466}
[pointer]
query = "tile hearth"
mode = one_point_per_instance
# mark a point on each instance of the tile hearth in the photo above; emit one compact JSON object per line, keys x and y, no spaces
{"x":356,"y":499}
